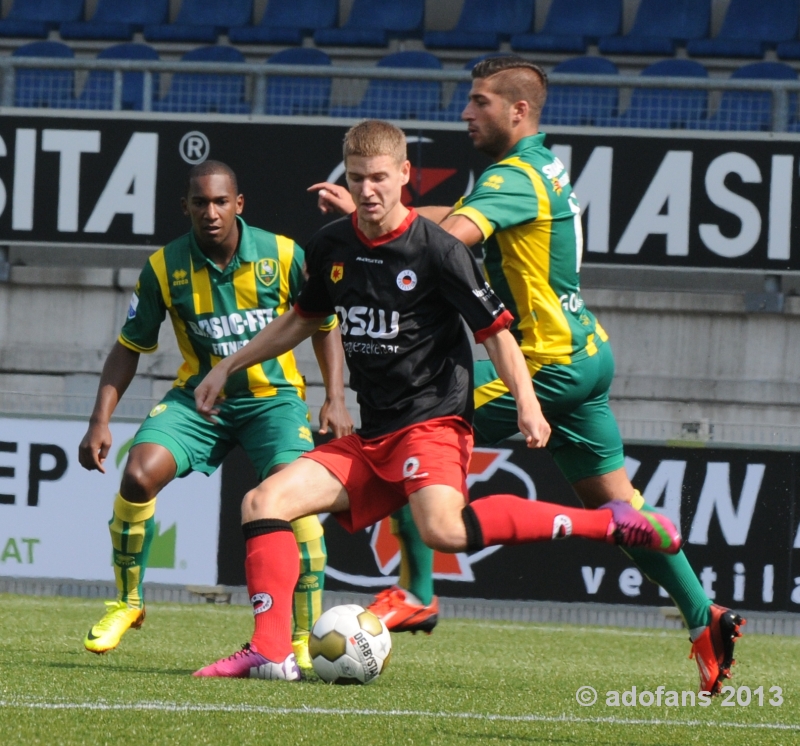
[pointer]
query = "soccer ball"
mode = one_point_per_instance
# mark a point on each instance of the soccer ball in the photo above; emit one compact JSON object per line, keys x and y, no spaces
{"x":349,"y":645}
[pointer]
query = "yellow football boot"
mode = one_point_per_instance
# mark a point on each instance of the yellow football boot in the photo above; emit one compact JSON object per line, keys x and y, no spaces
{"x":300,"y":647}
{"x":106,"y":634}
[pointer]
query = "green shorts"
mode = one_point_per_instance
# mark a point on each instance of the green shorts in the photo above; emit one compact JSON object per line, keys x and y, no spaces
{"x":585,"y":439}
{"x":272,"y":430}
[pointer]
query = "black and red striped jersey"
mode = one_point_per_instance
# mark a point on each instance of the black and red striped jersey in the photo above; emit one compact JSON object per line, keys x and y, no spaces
{"x":400,"y":300}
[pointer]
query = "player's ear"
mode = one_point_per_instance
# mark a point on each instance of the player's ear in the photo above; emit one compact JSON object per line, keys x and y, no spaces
{"x":184,"y":206}
{"x":239,"y":204}
{"x":405,"y":171}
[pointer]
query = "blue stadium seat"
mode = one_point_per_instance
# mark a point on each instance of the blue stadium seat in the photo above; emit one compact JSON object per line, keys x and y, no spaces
{"x":372,"y":23}
{"x":399,"y":99}
{"x":207,"y":92}
{"x":44,"y":89}
{"x":98,"y":92}
{"x":483,"y":24}
{"x":452,"y":112}
{"x":571,"y":24}
{"x":751,"y":110}
{"x":659,"y":25}
{"x":287,"y":21}
{"x":35,"y":18}
{"x":117,"y":20}
{"x":298,"y":95}
{"x":667,"y":108}
{"x":202,"y":21}
{"x":749,"y":27}
{"x":581,"y":105}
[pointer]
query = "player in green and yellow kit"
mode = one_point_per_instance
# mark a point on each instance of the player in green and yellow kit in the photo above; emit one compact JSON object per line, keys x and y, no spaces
{"x":524,"y":211}
{"x":221,"y":283}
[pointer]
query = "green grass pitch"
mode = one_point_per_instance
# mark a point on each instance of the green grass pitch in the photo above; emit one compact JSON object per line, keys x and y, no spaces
{"x":471,"y":682}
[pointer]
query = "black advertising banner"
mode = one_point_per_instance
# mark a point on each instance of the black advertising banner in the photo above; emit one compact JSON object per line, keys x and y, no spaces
{"x":676,"y":201}
{"x":736,"y":510}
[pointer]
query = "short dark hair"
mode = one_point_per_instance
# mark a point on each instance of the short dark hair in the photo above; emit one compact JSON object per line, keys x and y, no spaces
{"x":208,"y":168}
{"x":516,"y":79}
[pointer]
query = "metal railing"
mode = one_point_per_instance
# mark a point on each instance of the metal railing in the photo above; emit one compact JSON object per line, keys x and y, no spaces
{"x":396,"y":93}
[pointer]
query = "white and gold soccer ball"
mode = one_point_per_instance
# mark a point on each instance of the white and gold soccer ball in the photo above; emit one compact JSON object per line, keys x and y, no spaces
{"x":349,"y":645}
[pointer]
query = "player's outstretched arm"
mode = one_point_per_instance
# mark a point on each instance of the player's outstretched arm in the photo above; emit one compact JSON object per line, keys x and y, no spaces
{"x":504,"y":352}
{"x":279,"y":336}
{"x":332,"y":198}
{"x":330,"y":356}
{"x":118,"y":372}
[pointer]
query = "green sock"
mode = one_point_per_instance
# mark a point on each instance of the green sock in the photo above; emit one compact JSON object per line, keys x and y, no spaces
{"x":310,"y":585}
{"x":416,"y":558}
{"x":675,"y":575}
{"x":132,"y":529}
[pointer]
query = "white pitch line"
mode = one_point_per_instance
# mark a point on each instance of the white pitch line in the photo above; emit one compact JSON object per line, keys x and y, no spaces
{"x":177,"y":707}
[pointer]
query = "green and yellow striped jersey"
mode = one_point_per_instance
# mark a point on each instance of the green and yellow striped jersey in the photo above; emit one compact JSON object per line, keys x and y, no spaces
{"x":215,"y":312}
{"x":531,"y":225}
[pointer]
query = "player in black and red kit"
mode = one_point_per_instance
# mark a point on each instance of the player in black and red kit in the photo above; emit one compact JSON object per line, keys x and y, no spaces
{"x":400,"y":286}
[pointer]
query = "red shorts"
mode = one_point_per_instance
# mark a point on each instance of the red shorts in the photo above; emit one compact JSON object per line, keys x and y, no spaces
{"x":379,"y":474}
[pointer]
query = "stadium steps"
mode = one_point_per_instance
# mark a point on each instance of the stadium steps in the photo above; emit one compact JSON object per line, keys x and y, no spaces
{"x":539,"y":612}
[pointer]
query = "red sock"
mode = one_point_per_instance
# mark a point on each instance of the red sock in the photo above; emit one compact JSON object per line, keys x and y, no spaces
{"x":508,"y":519}
{"x":272,"y":570}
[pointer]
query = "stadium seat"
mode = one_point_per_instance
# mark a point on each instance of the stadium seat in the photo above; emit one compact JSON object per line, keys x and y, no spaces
{"x":202,"y":21}
{"x":749,"y":27}
{"x":298,"y":95}
{"x":452,"y":112}
{"x":667,"y":108}
{"x":483,"y":24}
{"x":44,"y":89}
{"x":751,"y":110}
{"x":207,"y":92}
{"x":572,"y":24}
{"x":287,"y":21}
{"x":581,"y":105}
{"x":35,"y":18}
{"x":117,"y":20}
{"x":659,"y":25}
{"x":399,"y":99}
{"x":372,"y":23}
{"x":98,"y":92}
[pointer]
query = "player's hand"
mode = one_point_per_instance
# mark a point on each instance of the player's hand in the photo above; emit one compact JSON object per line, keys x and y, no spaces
{"x":534,"y":428}
{"x":207,"y":394}
{"x":334,"y":416}
{"x":94,"y":447}
{"x":333,"y":198}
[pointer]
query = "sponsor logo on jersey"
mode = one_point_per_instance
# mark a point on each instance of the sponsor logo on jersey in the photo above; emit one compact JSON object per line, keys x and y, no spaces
{"x":407,"y":280}
{"x":133,"y":306}
{"x":234,"y":324}
{"x":369,"y":260}
{"x":337,"y":271}
{"x":261,"y":602}
{"x":266,"y":271}
{"x":304,"y":433}
{"x":158,"y":409}
{"x":360,"y":321}
{"x":495,"y":181}
{"x":179,"y":277}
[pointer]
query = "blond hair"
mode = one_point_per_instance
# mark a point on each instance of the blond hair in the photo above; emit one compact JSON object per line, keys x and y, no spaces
{"x":374,"y":137}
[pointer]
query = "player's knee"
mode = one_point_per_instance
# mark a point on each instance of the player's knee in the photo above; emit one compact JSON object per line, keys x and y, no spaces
{"x":137,"y":484}
{"x":263,"y":501}
{"x":447,"y":537}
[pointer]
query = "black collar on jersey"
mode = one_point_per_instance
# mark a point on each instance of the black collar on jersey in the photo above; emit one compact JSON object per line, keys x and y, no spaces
{"x":373,"y":243}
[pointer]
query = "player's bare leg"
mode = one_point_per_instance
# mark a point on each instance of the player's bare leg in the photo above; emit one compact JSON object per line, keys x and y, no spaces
{"x":302,"y":488}
{"x":713,"y":629}
{"x":150,"y":468}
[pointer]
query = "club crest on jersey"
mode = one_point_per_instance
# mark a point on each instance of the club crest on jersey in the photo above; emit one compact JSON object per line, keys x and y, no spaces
{"x":267,"y":271}
{"x":337,"y":271}
{"x":407,"y":280}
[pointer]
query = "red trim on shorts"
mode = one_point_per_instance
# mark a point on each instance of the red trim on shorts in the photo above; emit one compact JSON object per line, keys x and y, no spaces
{"x":373,"y":243}
{"x":503,"y":321}
{"x":308,"y":314}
